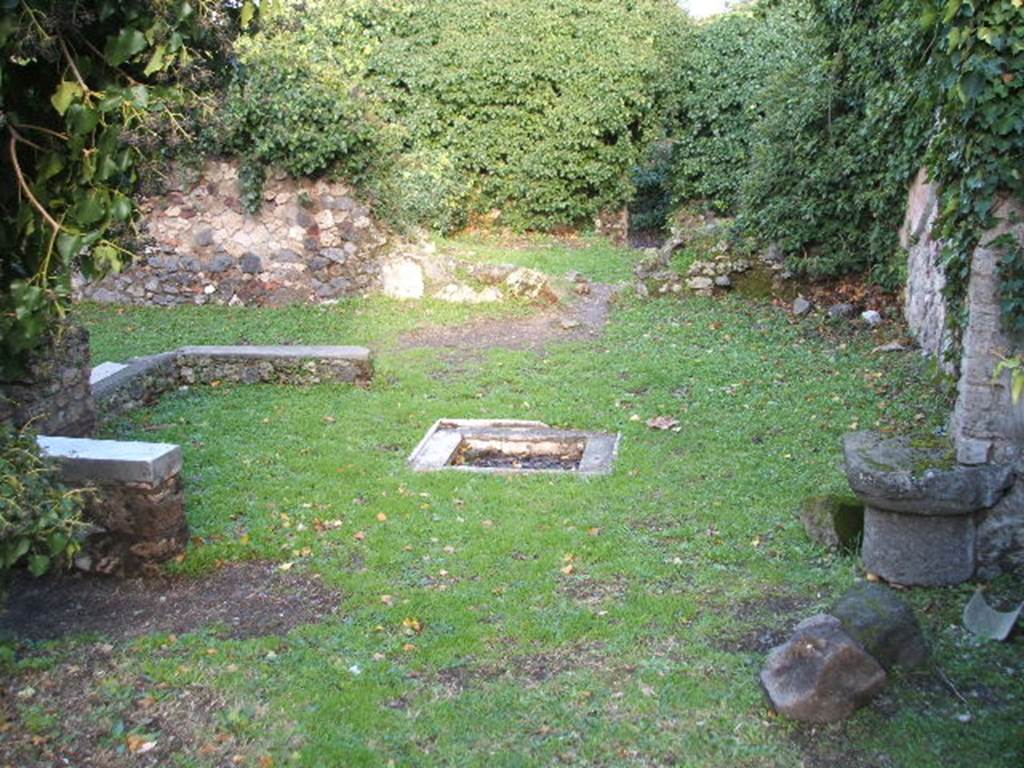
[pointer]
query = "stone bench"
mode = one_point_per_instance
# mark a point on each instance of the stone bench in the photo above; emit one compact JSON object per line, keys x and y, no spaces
{"x":136,"y":500}
{"x":119,"y":388}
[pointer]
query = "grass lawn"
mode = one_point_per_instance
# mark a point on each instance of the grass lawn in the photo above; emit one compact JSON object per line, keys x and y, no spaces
{"x":508,"y":621}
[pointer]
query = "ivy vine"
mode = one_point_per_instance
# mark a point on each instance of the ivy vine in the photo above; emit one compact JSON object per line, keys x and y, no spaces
{"x":977,"y":153}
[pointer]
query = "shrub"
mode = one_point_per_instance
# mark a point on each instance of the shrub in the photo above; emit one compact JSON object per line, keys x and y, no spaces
{"x":722,"y":79}
{"x":848,"y":123}
{"x":38,"y":517}
{"x":535,"y":108}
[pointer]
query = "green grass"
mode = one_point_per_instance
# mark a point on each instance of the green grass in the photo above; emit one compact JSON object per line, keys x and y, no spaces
{"x":636,"y":657}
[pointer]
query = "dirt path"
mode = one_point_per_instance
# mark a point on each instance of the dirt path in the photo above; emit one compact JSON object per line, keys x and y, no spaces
{"x":582,"y":319}
{"x":250,"y":599}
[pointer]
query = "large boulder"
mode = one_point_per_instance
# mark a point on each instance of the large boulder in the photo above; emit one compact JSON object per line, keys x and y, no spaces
{"x":821,"y":674}
{"x":885,"y":626}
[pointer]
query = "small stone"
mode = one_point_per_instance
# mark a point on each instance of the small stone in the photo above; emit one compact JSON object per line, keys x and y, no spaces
{"x":530,"y":284}
{"x":723,"y":281}
{"x":568,"y":325}
{"x":251,"y":264}
{"x":821,"y":674}
{"x":204,"y":238}
{"x":801,"y":306}
{"x":699,"y":283}
{"x":872,"y":318}
{"x":221,"y":263}
{"x":892,"y":346}
{"x":209,"y":289}
{"x":841,"y":311}
{"x":877,"y":618}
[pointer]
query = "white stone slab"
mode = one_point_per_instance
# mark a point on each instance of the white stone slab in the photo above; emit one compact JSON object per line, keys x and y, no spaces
{"x":101,"y":461}
{"x":104,"y":370}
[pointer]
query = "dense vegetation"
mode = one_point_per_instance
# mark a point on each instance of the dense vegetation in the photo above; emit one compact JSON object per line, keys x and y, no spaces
{"x":446,"y":109}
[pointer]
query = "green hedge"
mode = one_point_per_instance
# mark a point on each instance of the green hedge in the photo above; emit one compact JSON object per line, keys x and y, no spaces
{"x":448,"y":107}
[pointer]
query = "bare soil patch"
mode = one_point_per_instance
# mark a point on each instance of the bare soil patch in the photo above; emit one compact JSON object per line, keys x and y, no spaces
{"x":583,"y":319}
{"x":766,"y":622}
{"x":249,"y":599}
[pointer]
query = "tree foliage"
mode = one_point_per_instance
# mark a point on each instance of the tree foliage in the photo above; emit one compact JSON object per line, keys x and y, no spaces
{"x":85,"y":87}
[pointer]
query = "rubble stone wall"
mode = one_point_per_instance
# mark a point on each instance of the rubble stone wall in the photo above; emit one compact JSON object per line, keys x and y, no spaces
{"x":53,"y":396}
{"x":311,"y":241}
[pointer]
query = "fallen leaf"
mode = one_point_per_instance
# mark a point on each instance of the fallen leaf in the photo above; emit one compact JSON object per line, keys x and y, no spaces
{"x":568,"y":570}
{"x":412,"y":624}
{"x":381,"y":517}
{"x":359,"y":535}
{"x":662,"y":422}
{"x":285,"y":566}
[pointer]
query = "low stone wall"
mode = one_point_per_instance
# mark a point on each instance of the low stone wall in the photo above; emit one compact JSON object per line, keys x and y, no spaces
{"x":144,"y":380}
{"x":136,"y":501}
{"x":311,"y":241}
{"x":53,"y":396}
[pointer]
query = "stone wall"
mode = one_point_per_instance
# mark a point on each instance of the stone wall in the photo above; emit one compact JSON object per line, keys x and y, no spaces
{"x":924,"y":303}
{"x":311,"y":241}
{"x":986,"y":424}
{"x":53,"y":396}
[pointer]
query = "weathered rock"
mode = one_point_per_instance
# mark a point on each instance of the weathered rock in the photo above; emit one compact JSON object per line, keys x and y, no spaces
{"x":842,"y":311}
{"x":251,"y":264}
{"x":871,"y":318}
{"x":220,"y":263}
{"x":1000,"y":538}
{"x":492,"y":274}
{"x":925,"y":303}
{"x":885,"y":625}
{"x":801,"y":306}
{"x":531,"y":285}
{"x":723,"y":281}
{"x":459,"y":293}
{"x":821,"y":674}
{"x":834,"y":522}
{"x":888,"y":473}
{"x":986,"y":423}
{"x":402,"y":279}
{"x":700,"y":283}
{"x":919,"y":508}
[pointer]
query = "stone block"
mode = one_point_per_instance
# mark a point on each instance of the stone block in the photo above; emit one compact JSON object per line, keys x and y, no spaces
{"x":883,"y":623}
{"x":834,"y":522}
{"x":821,"y":674}
{"x":918,"y":550}
{"x":111,"y":461}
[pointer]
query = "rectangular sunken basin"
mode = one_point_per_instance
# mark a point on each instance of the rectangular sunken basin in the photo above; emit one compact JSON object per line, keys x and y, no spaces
{"x":509,"y":446}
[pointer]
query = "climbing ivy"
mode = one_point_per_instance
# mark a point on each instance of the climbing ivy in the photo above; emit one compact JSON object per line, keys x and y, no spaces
{"x":977,"y":155}
{"x":530,"y":111}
